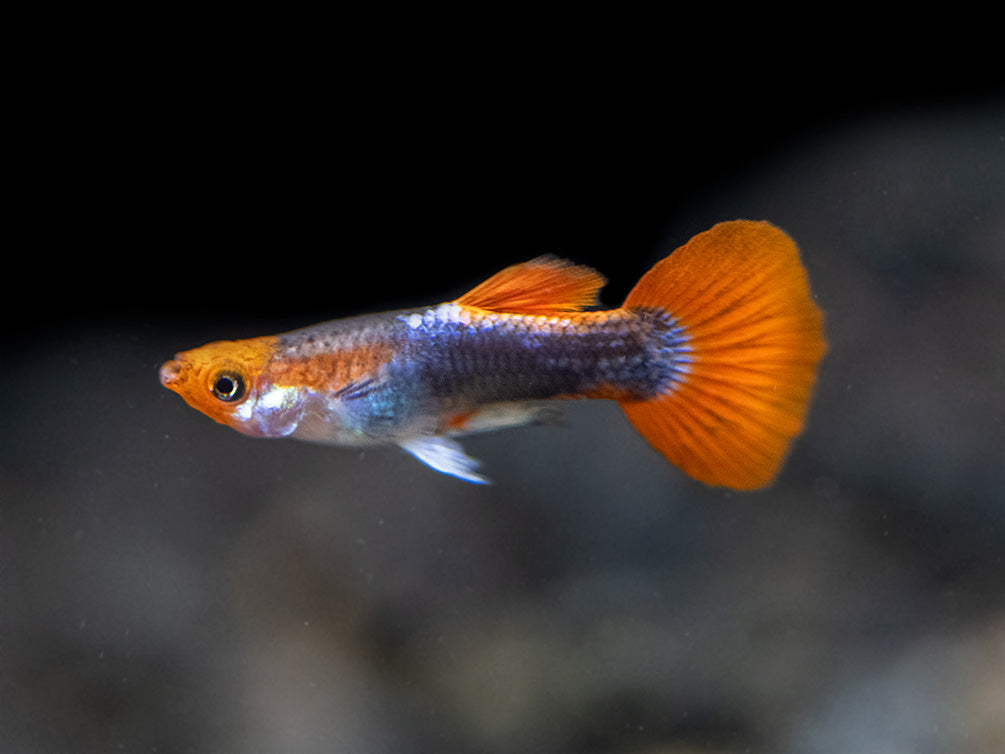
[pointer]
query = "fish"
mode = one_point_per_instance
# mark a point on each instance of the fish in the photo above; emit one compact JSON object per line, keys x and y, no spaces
{"x":712,"y":357}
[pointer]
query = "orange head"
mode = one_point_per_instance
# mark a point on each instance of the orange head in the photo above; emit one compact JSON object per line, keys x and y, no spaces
{"x":222,"y":380}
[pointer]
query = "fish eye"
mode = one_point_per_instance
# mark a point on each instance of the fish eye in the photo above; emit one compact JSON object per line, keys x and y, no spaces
{"x":228,"y":386}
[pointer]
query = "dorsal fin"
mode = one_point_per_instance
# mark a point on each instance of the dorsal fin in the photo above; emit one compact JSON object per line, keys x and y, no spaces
{"x":540,"y":286}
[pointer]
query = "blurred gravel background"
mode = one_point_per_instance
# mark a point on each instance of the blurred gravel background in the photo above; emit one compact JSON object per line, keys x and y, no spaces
{"x":169,"y":585}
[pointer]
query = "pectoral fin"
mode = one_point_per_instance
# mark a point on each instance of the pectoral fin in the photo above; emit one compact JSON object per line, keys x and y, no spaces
{"x":444,"y":455}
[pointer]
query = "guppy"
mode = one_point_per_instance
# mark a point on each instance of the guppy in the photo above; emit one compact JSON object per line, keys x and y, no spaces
{"x":712,"y":356}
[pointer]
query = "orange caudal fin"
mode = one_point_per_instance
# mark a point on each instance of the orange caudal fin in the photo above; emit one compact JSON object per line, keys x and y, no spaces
{"x":541,"y":286}
{"x":752,"y":337}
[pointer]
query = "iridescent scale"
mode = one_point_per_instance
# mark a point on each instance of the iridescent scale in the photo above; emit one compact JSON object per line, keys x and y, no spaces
{"x":487,"y":356}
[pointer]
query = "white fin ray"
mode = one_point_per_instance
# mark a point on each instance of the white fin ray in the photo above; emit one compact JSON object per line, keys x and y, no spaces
{"x":444,"y":455}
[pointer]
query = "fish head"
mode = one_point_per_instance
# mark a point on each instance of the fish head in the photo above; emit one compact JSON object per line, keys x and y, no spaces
{"x":224,"y":380}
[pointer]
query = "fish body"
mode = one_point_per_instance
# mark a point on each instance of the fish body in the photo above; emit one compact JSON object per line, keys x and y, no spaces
{"x":712,"y":356}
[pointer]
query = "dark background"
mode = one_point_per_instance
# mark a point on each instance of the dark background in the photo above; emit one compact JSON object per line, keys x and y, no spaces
{"x":170,"y":585}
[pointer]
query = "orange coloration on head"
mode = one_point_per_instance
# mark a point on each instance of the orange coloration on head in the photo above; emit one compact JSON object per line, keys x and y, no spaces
{"x":331,"y":371}
{"x":218,"y":377}
{"x":713,"y":358}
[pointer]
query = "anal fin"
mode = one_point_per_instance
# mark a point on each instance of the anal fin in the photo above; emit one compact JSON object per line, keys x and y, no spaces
{"x":494,"y":416}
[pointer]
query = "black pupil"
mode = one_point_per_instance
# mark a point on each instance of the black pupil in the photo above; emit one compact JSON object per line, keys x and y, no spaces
{"x":228,"y":387}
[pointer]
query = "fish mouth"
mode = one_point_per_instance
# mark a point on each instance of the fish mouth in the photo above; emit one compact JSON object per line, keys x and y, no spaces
{"x":170,"y":373}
